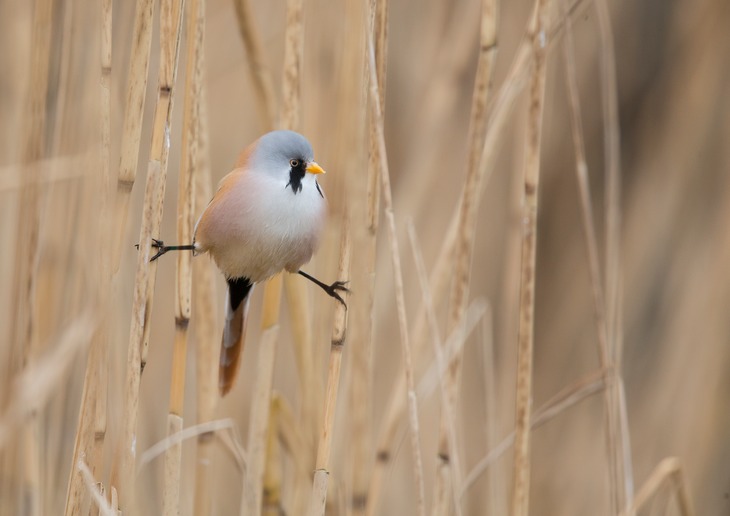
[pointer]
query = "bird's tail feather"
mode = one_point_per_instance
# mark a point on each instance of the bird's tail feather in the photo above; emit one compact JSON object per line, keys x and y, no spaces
{"x":234,"y":332}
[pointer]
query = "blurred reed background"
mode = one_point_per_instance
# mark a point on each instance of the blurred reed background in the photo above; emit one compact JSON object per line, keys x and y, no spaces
{"x":622,"y":104}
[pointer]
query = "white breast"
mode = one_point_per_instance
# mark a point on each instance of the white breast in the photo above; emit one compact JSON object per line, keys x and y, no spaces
{"x":260,"y":227}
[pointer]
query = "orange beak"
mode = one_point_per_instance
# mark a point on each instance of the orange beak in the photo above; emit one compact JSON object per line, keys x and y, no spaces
{"x":314,"y":168}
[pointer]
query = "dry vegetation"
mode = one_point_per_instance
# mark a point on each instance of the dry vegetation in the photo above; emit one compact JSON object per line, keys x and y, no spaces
{"x":529,"y":200}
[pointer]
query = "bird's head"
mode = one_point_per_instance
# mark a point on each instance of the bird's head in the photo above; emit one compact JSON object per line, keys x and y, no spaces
{"x":285,"y":155}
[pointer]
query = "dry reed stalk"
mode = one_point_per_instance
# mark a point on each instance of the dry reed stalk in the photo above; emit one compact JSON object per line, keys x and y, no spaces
{"x":559,"y":403}
{"x":133,"y":116}
{"x":379,"y":35}
{"x":263,"y":85}
{"x":294,"y":443}
{"x":232,"y":445}
{"x":441,"y":101}
{"x":502,"y":103}
{"x":446,"y":488}
{"x":447,"y":457}
{"x":95,"y":489}
{"x":272,"y":503}
{"x":615,"y":421}
{"x":257,"y":435}
{"x":115,"y":502}
{"x":189,"y":168}
{"x":50,"y":171}
{"x":523,"y":402}
{"x":160,"y":447}
{"x":23,"y":333}
{"x":451,"y":346}
{"x":292,"y":440}
{"x":376,"y":113}
{"x":41,"y":379}
{"x":205,"y":305}
{"x":91,"y":429}
{"x":65,"y":18}
{"x":170,"y":24}
{"x":310,"y":388}
{"x":361,"y":358}
{"x":495,"y":492}
{"x":668,"y":469}
{"x":32,"y":130}
{"x":108,"y":198}
{"x":318,"y":500}
{"x":33,"y":387}
{"x":619,"y":447}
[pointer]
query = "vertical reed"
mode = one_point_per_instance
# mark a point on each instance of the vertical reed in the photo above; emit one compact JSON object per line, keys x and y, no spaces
{"x":91,"y":428}
{"x":189,"y":168}
{"x":272,"y":485}
{"x":616,"y":418}
{"x":170,"y":22}
{"x":448,"y":463}
{"x":133,"y":115}
{"x":361,"y":356}
{"x":500,"y":108}
{"x":263,"y":84}
{"x":523,"y":409}
{"x":207,"y":335}
{"x":23,"y":333}
{"x":615,"y":443}
{"x":339,"y":336}
{"x":376,"y":114}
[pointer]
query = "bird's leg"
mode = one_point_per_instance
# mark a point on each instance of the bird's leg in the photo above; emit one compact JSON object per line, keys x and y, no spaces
{"x":332,"y":290}
{"x":162,"y":248}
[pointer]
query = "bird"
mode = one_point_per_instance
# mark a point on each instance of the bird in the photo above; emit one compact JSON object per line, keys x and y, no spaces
{"x":267,"y":216}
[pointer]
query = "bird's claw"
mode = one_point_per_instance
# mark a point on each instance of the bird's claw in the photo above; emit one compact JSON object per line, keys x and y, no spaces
{"x":161,"y":249}
{"x":333,"y":289}
{"x":157,"y":244}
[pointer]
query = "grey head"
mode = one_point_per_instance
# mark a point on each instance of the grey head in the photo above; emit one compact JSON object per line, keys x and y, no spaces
{"x":280,"y":147}
{"x":286,"y":155}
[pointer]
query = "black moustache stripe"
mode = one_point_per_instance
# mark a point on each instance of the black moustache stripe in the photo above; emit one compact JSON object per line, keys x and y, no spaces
{"x":296,"y":174}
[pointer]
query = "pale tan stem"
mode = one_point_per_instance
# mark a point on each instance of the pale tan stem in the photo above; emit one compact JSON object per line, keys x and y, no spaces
{"x":272,"y":502}
{"x":363,"y":317}
{"x":256,"y":449}
{"x":670,"y":470}
{"x":91,"y":428}
{"x":189,"y":168}
{"x":376,"y":113}
{"x":23,"y":326}
{"x":447,"y":460}
{"x":525,"y":344}
{"x":133,"y":116}
{"x":559,"y":403}
{"x":207,"y":336}
{"x":170,"y":22}
{"x":619,"y":446}
{"x":501,"y":108}
{"x":619,"y":479}
{"x":260,"y":74}
{"x":318,"y":500}
{"x":448,"y":465}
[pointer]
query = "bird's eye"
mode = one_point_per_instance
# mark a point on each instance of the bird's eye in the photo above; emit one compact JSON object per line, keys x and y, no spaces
{"x":294,"y":163}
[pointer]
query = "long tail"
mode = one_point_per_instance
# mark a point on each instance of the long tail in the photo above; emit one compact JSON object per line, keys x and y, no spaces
{"x":234,"y":332}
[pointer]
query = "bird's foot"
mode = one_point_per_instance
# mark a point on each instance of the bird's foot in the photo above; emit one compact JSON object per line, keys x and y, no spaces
{"x":335,"y":288}
{"x":160,"y":246}
{"x":161,"y":249}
